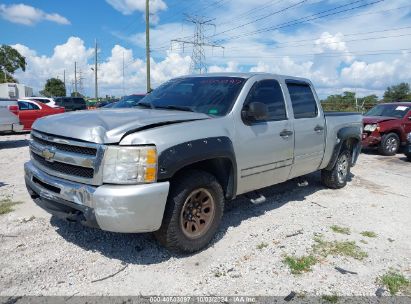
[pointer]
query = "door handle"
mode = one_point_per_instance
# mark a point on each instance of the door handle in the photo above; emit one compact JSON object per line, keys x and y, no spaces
{"x":286,"y":133}
{"x":318,"y":128}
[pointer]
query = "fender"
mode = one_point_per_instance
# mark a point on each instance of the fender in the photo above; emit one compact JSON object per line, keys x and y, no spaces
{"x":177,"y":157}
{"x":342,"y":135}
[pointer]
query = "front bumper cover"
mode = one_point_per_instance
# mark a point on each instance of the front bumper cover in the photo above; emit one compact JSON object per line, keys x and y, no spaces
{"x":117,"y":208}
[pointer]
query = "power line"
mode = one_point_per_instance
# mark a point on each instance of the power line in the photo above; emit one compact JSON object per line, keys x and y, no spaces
{"x":302,"y":20}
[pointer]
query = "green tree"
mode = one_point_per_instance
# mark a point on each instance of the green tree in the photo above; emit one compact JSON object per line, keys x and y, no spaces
{"x":10,"y":61}
{"x":54,"y":87}
{"x":397,"y":92}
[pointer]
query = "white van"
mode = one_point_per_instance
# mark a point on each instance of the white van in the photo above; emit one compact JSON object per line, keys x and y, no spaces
{"x":9,"y":119}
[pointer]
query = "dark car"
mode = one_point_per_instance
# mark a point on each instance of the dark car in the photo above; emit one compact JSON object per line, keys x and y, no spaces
{"x":408,"y":147}
{"x":128,"y":101}
{"x":386,"y":127}
{"x":71,"y":103}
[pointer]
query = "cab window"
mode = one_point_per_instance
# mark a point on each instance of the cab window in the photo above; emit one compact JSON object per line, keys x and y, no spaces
{"x":270,"y":93}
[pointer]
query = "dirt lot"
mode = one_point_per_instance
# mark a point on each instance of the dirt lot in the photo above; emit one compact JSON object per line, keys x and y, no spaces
{"x":45,"y":256}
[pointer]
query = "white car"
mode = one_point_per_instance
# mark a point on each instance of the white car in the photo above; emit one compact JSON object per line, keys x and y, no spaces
{"x":46,"y":100}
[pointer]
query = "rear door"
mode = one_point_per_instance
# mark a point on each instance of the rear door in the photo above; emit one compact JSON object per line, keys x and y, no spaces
{"x":309,"y":128}
{"x":264,"y":153}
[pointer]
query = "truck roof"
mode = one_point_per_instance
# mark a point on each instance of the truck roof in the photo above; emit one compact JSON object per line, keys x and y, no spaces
{"x":245,"y":75}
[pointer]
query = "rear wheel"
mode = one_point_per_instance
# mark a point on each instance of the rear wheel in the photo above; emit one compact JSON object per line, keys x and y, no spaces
{"x":337,"y":177}
{"x":408,"y":156}
{"x":390,"y":144}
{"x":193,"y":212}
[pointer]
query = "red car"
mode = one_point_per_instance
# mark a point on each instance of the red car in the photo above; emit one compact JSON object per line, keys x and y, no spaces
{"x":30,"y":110}
{"x":386,"y":126}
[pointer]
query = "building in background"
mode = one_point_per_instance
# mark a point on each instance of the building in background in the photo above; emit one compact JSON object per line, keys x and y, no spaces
{"x":15,"y":90}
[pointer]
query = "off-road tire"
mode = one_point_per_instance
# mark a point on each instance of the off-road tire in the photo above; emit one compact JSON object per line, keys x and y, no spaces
{"x":385,"y":139}
{"x":330,"y":178}
{"x":171,"y":233}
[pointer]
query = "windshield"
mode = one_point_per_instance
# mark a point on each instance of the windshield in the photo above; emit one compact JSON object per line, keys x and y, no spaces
{"x":209,"y":95}
{"x":388,"y":110}
{"x":128,"y":101}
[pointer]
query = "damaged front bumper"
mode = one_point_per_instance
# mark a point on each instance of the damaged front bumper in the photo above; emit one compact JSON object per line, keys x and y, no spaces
{"x":117,"y":208}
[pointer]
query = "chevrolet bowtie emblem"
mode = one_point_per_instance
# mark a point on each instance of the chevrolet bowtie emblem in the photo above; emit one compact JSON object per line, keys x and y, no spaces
{"x":47,"y":154}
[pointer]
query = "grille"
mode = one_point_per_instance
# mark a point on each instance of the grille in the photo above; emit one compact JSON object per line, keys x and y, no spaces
{"x":67,"y":148}
{"x":64,"y":168}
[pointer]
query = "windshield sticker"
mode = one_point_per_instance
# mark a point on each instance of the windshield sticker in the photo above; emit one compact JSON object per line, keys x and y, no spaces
{"x":401,"y":108}
{"x":213,"y":111}
{"x":221,"y":81}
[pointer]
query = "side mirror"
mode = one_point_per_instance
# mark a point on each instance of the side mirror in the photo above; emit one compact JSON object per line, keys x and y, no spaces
{"x":255,"y":111}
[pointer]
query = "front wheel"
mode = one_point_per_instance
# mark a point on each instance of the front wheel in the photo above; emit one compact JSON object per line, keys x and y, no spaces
{"x":193,"y":212}
{"x":390,"y":144}
{"x":408,"y":156}
{"x":336,"y":178}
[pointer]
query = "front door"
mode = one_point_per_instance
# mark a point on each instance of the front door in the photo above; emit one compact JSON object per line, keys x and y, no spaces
{"x":264,"y":149}
{"x":309,"y":128}
{"x":28,"y":113}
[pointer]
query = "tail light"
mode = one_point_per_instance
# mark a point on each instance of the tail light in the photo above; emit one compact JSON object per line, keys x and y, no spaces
{"x":14,"y":109}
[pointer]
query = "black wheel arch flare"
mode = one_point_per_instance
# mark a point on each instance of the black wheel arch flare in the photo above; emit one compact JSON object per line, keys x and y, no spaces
{"x":198,"y":151}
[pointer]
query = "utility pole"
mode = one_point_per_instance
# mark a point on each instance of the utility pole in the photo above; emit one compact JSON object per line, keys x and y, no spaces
{"x":95,"y":72}
{"x":75,"y":78}
{"x":64,"y":80}
{"x":123,"y":76}
{"x":199,"y":42}
{"x":148,"y":45}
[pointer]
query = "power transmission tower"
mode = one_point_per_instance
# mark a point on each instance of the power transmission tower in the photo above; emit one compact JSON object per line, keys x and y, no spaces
{"x":199,"y":42}
{"x":75,"y":78}
{"x":80,"y":82}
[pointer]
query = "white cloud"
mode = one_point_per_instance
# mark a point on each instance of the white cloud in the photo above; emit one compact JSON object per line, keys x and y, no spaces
{"x":28,"y":15}
{"x":127,"y":7}
{"x":40,"y":68}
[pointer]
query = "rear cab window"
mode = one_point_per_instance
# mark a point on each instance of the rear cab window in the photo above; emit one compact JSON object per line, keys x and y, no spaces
{"x":302,"y":99}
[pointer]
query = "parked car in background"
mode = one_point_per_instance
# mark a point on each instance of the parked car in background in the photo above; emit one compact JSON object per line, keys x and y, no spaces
{"x":408,"y":147}
{"x":9,"y":120}
{"x":386,"y":127}
{"x":46,"y":100}
{"x":30,"y":111}
{"x":169,"y":164}
{"x":128,"y":101}
{"x":71,"y":103}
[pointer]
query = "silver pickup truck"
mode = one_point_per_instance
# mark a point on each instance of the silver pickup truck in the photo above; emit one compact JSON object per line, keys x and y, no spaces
{"x":168,"y":165}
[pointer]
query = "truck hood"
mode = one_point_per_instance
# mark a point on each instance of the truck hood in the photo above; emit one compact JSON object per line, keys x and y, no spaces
{"x":376,"y":119}
{"x":110,"y":126}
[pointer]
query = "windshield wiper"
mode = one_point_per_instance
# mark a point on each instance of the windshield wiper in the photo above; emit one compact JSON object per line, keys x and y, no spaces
{"x":176,"y":107}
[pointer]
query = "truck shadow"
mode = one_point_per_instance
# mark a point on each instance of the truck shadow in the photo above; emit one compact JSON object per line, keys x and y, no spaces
{"x":12,"y":144}
{"x":143,"y":249}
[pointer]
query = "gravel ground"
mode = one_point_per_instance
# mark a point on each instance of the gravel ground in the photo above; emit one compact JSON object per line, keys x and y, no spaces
{"x":47,"y":256}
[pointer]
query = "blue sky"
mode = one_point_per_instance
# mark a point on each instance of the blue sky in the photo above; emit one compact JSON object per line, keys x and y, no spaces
{"x":351,"y":49}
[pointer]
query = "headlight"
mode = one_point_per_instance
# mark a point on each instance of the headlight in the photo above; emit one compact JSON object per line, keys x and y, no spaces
{"x":130,"y":165}
{"x":409,"y":137}
{"x":371,"y":128}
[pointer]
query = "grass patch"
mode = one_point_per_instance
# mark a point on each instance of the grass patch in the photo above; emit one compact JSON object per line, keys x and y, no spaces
{"x":346,"y":248}
{"x":394,"y":281}
{"x":363,"y":241}
{"x":339,"y":229}
{"x":370,"y":234}
{"x":330,"y":298}
{"x":262,"y":246}
{"x":301,"y":264}
{"x":6,"y":206}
